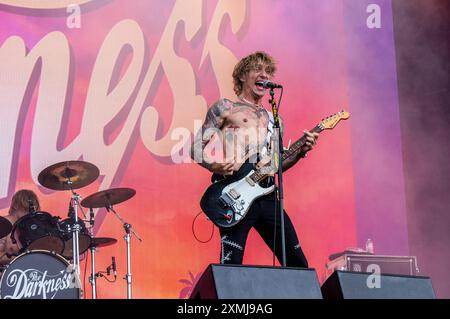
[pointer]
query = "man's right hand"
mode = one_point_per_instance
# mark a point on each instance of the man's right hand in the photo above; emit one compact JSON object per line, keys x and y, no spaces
{"x":222,"y":168}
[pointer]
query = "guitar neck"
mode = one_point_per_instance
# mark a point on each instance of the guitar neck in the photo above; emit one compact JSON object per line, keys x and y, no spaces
{"x":258,"y":175}
{"x":295,"y":148}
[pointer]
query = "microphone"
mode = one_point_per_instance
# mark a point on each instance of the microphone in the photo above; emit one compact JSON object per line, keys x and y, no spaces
{"x":91,"y":216}
{"x":269,"y":85}
{"x":114,"y":266}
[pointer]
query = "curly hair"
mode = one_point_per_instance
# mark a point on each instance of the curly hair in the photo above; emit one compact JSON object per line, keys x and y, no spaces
{"x":22,"y":200}
{"x":248,"y":63}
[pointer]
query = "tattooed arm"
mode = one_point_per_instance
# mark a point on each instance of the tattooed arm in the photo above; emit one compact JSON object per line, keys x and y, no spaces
{"x":215,"y":118}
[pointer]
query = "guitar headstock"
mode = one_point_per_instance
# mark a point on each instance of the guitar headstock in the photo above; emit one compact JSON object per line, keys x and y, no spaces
{"x":331,"y":121}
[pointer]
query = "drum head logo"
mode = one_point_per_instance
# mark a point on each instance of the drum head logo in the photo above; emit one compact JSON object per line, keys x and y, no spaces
{"x":56,"y":281}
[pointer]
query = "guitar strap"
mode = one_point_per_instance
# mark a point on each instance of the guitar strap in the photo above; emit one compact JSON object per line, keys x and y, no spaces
{"x":269,"y":133}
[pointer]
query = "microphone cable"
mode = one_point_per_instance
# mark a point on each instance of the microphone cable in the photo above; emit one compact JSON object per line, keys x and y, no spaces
{"x":193,"y":230}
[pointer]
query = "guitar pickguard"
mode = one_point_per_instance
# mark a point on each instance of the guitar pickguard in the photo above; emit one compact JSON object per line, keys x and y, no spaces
{"x":242,"y":194}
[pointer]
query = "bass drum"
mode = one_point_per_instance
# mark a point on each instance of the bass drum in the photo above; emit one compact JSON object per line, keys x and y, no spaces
{"x":40,"y":274}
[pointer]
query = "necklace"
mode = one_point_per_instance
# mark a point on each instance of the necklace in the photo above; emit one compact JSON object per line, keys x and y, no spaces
{"x":248,"y":102}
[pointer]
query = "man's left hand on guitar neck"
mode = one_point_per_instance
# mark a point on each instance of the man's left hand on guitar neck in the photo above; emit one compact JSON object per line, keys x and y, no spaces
{"x":311,"y":141}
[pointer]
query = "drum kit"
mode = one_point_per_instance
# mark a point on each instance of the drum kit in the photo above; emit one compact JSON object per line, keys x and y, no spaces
{"x":47,"y":243}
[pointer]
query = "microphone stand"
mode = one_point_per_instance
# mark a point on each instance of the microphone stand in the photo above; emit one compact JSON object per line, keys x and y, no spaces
{"x":279,"y":151}
{"x":92,"y":279}
{"x":127,"y":238}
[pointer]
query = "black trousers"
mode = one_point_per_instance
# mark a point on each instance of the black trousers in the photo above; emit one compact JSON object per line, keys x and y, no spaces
{"x":261,"y":217}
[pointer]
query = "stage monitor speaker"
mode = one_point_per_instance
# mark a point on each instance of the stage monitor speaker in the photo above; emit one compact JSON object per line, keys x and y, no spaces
{"x":362,"y":285}
{"x":256,"y":282}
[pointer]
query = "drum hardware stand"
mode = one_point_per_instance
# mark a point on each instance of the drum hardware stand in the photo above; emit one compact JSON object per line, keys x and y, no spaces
{"x":127,"y":238}
{"x":75,"y":202}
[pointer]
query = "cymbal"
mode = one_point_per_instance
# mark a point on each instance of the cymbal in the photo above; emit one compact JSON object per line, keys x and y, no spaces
{"x":108,"y":197}
{"x":103,"y":241}
{"x":68,"y":175}
{"x":5,"y":227}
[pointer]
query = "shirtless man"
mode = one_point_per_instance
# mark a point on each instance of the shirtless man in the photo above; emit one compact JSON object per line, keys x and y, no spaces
{"x":20,"y":206}
{"x":243,"y":125}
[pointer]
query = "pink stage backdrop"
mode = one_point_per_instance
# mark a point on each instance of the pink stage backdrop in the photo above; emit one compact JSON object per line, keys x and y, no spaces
{"x":124,"y":84}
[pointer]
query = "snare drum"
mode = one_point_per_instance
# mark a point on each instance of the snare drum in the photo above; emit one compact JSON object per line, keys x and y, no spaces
{"x":38,"y":230}
{"x":40,"y":275}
